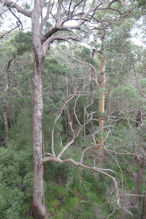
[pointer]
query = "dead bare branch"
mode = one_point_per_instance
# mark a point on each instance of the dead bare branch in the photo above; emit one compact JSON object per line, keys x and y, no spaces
{"x":124,"y":153}
{"x":57,"y":118}
{"x":3,"y":11}
{"x":81,"y":62}
{"x":6,"y":33}
{"x":49,"y":8}
{"x":75,"y":110}
{"x":72,"y":140}
{"x":18,"y":20}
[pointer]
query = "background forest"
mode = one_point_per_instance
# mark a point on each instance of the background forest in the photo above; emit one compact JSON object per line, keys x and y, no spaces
{"x":103,"y":175}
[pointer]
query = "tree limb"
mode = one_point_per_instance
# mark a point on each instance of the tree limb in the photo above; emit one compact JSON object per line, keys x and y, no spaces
{"x":21,"y":10}
{"x":58,"y":37}
{"x":56,"y":119}
{"x":18,"y":20}
{"x":49,"y":8}
{"x":1,"y":36}
{"x":82,"y":62}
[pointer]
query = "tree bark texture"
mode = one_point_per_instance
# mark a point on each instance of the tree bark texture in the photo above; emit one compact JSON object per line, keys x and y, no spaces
{"x":101,"y":98}
{"x":38,"y":206}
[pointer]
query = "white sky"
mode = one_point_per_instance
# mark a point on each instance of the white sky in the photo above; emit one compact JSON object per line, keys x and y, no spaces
{"x":138,"y":36}
{"x":138,"y":32}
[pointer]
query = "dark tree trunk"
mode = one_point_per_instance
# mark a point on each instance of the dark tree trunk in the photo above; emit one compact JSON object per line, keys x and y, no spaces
{"x":139,"y":176}
{"x":5,"y":121}
{"x":138,"y":180}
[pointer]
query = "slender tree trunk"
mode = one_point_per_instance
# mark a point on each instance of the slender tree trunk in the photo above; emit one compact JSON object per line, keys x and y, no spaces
{"x":4,"y":105}
{"x":79,"y":186}
{"x":139,"y":176}
{"x":144,"y":206}
{"x":138,"y":180}
{"x":68,"y":114}
{"x":91,"y":107}
{"x":5,"y":121}
{"x":101,"y":98}
{"x":38,"y":206}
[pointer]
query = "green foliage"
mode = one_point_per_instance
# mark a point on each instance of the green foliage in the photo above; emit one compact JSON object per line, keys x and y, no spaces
{"x":10,"y":202}
{"x":52,"y":66}
{"x":63,"y":200}
{"x":141,"y":4}
{"x":22,"y":42}
{"x":125,"y":92}
{"x":15,"y":181}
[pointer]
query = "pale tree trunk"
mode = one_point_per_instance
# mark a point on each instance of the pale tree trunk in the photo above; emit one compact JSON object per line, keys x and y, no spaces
{"x":38,"y":206}
{"x":91,"y":89}
{"x":68,"y":114}
{"x":101,"y":99}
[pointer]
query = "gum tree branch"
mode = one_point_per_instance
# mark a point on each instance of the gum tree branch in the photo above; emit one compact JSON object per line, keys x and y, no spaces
{"x":57,"y":118}
{"x":81,"y":62}
{"x":58,"y":37}
{"x":21,"y":10}
{"x":49,"y":8}
{"x":3,"y":35}
{"x":75,"y":110}
{"x":18,"y":20}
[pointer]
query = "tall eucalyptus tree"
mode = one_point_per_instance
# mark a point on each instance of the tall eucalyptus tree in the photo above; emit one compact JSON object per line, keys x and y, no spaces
{"x":51,"y":20}
{"x":58,"y":13}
